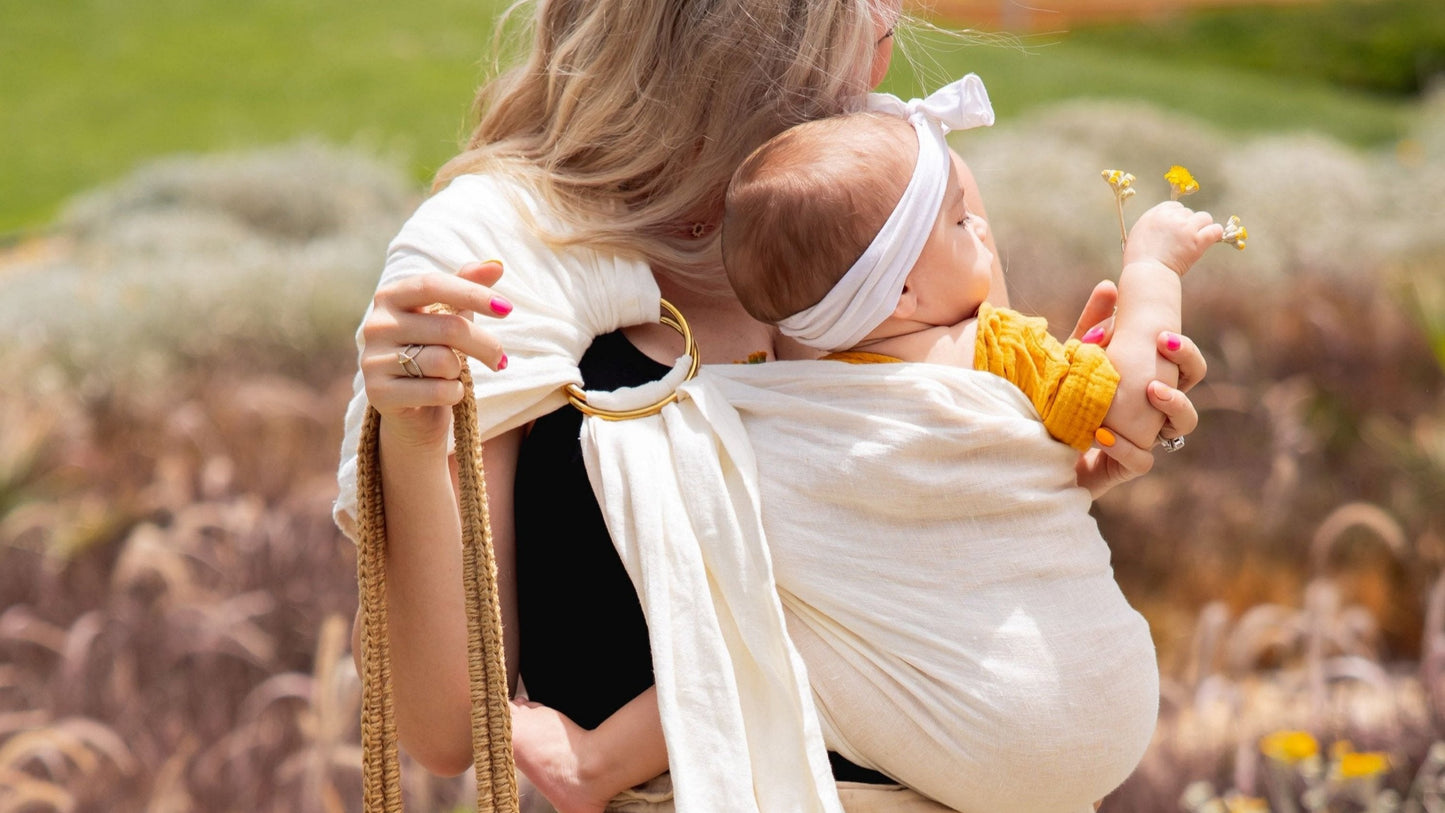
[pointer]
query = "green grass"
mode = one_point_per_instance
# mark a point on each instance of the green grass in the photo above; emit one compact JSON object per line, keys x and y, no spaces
{"x":91,"y":88}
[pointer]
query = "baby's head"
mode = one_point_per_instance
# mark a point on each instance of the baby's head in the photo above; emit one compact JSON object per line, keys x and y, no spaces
{"x":803,"y":207}
{"x":806,"y":209}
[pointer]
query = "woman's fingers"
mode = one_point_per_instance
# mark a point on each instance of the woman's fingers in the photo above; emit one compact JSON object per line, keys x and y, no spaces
{"x":1180,"y":416}
{"x":1096,"y":324}
{"x":484,"y":273}
{"x":1100,"y":469}
{"x":1130,"y":461}
{"x":416,"y":361}
{"x":468,"y":290}
{"x":1185,"y":354}
{"x":449,"y":330}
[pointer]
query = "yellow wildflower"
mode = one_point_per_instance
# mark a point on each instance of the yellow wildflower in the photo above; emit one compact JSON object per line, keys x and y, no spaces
{"x":1360,"y":765}
{"x":1123,"y":185}
{"x":1234,"y":233}
{"x":1120,"y":181}
{"x":1239,"y":803}
{"x":1289,"y":746}
{"x":1181,"y":183}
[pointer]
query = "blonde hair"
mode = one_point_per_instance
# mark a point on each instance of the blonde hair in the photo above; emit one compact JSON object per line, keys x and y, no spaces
{"x":629,"y":116}
{"x":804,"y":207}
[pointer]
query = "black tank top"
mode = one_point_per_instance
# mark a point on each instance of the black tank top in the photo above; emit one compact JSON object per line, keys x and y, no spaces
{"x":584,"y":637}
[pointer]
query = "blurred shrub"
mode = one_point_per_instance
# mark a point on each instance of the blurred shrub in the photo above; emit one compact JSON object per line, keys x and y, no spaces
{"x":267,"y":258}
{"x":1394,"y":47}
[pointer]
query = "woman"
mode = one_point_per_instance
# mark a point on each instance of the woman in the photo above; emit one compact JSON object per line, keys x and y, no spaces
{"x":614,"y":141}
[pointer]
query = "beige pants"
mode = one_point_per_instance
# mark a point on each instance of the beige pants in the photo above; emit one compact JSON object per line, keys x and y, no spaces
{"x":857,"y":797}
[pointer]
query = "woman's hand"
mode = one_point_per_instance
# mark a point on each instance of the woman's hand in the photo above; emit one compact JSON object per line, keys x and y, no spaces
{"x":1102,"y":468}
{"x":407,"y":360}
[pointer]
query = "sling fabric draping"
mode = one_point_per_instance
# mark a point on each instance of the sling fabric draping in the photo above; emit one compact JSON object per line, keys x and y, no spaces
{"x":943,"y":581}
{"x":976,"y":649}
{"x":737,"y":713}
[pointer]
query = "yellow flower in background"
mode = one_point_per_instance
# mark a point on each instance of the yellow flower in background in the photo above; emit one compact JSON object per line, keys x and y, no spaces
{"x":1181,"y":183}
{"x":1239,"y":803}
{"x":1361,"y":765}
{"x":1235,"y":234}
{"x":1289,"y":746}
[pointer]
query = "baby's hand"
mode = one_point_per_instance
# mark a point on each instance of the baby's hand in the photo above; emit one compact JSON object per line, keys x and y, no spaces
{"x":1173,"y":235}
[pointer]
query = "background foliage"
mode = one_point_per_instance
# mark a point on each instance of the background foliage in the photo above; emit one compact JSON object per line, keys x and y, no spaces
{"x":176,"y":342}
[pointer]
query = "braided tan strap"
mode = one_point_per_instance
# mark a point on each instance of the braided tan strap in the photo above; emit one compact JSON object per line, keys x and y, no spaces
{"x":486,"y":664}
{"x":486,"y":657}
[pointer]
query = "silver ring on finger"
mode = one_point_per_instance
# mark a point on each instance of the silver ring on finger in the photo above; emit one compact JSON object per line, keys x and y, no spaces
{"x":1170,"y":444}
{"x":407,"y":359}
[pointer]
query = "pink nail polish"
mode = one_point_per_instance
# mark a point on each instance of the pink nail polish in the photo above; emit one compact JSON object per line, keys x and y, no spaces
{"x":1173,"y":342}
{"x":500,"y":306}
{"x":502,"y":363}
{"x":1094,"y":336}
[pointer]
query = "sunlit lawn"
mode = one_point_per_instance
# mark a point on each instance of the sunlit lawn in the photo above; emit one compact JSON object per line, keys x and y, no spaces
{"x":90,"y":88}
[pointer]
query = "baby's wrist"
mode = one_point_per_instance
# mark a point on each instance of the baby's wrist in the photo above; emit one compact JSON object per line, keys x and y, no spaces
{"x":1152,"y":265}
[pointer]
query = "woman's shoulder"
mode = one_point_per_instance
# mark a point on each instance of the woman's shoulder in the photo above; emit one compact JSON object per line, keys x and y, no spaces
{"x":486,"y":213}
{"x":479,"y":200}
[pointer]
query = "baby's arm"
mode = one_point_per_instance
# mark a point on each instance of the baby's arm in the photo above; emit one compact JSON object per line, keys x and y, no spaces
{"x":1165,"y":242}
{"x":578,"y":770}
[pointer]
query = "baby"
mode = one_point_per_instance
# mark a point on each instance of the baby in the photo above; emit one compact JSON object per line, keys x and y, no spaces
{"x":852,"y":236}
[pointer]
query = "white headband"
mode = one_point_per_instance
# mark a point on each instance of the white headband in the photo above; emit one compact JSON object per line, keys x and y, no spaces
{"x":869,"y":292}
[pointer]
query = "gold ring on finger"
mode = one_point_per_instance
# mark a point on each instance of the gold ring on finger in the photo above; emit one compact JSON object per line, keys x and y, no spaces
{"x":407,"y":359}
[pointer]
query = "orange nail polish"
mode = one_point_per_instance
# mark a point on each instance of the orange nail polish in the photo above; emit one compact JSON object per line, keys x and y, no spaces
{"x":1105,"y":437}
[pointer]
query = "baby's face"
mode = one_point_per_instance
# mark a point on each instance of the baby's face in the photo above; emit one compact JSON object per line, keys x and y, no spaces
{"x":954,"y":271}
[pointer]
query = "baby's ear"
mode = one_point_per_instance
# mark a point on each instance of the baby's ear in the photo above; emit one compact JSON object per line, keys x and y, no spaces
{"x":907,"y":303}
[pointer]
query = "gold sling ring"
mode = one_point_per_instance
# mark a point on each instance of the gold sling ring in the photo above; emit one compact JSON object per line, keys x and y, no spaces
{"x":671,"y":317}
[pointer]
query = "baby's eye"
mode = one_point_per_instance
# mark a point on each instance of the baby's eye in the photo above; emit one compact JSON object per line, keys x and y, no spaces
{"x":967,"y":216}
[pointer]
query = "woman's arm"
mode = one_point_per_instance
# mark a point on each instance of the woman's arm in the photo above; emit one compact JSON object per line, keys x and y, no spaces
{"x":427,"y":622}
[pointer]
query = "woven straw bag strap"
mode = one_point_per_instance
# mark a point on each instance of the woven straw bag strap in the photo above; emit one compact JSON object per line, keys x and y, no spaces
{"x":486,"y":665}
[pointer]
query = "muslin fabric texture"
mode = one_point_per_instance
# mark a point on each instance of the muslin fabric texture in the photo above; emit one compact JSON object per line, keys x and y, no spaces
{"x":890,"y":560}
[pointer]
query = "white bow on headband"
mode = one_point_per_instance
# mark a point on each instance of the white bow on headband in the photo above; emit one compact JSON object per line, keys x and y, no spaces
{"x":959,"y":105}
{"x":868,"y":293}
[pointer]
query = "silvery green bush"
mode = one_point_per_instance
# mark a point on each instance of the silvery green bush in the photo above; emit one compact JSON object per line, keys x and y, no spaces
{"x":266,"y":257}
